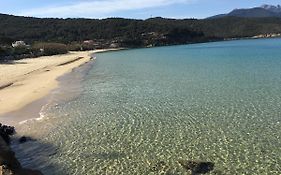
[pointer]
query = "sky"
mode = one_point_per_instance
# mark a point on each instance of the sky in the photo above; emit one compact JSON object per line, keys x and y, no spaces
{"x":138,"y":9}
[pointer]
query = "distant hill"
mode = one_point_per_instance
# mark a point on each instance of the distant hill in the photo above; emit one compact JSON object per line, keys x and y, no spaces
{"x":132,"y":32}
{"x":257,"y":12}
{"x":272,"y":8}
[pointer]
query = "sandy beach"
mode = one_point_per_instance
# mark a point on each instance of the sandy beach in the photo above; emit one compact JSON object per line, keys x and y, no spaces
{"x":28,"y":80}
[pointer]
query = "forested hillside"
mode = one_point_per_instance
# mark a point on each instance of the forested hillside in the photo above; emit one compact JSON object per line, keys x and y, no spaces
{"x":157,"y":31}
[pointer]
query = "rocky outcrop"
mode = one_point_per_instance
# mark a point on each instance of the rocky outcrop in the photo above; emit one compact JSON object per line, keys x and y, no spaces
{"x":9,"y":165}
{"x":197,"y":167}
{"x":24,"y":139}
{"x":6,"y":132}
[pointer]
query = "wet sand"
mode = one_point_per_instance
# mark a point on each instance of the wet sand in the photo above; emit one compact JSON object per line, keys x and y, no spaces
{"x":26,"y":84}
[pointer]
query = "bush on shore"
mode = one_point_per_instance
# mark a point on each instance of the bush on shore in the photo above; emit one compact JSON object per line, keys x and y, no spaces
{"x":9,"y":53}
{"x":21,"y":50}
{"x":49,"y":48}
{"x":74,"y":47}
{"x":80,"y":47}
{"x":5,"y":51}
{"x":88,"y":46}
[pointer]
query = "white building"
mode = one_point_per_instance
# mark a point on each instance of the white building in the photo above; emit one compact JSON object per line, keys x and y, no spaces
{"x":19,"y":44}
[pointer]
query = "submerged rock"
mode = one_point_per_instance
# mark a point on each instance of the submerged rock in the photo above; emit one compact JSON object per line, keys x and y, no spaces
{"x":24,"y":139}
{"x":197,"y":167}
{"x":9,"y":165}
{"x":10,"y":130}
{"x":5,"y":137}
{"x":28,"y":172}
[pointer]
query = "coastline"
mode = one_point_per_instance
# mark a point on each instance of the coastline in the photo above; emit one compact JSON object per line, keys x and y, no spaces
{"x":77,"y":119}
{"x":28,"y":81}
{"x":27,"y":85}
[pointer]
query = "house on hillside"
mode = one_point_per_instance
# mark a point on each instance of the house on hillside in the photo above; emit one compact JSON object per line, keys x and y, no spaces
{"x":19,"y":44}
{"x":114,"y":44}
{"x":88,"y":42}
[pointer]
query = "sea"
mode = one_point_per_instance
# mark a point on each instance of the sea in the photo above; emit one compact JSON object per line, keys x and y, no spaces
{"x":141,"y":111}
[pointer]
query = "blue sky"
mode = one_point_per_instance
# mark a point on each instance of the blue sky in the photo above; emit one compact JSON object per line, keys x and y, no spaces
{"x":140,"y":9}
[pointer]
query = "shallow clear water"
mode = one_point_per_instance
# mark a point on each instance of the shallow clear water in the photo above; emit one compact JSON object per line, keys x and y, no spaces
{"x":218,"y":102}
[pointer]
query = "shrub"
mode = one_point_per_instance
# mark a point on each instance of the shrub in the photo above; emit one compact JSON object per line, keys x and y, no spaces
{"x":74,"y":47}
{"x":49,"y":48}
{"x":88,"y":47}
{"x":21,"y":50}
{"x":4,"y":51}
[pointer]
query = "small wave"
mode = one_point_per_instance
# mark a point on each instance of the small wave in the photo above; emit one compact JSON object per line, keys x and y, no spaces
{"x":42,"y":115}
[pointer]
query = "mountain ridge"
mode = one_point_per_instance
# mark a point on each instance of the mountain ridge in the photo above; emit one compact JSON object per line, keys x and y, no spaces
{"x":276,"y":9}
{"x":255,"y":12}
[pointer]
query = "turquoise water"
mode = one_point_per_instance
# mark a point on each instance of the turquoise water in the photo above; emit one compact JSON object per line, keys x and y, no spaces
{"x":218,"y":102}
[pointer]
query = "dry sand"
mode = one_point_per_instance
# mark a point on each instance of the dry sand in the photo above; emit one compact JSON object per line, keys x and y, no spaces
{"x":28,"y":80}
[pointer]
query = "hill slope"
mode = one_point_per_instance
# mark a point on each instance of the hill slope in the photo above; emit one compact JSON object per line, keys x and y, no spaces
{"x":156,"y":31}
{"x":257,"y":12}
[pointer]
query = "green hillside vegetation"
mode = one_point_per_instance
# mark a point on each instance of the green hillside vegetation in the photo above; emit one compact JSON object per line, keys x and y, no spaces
{"x":129,"y":32}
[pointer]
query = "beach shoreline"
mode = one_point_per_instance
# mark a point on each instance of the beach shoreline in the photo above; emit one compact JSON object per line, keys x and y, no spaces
{"x":27,"y":86}
{"x":26,"y":83}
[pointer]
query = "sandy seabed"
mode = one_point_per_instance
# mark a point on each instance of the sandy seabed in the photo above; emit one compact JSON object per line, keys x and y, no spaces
{"x":25,"y":81}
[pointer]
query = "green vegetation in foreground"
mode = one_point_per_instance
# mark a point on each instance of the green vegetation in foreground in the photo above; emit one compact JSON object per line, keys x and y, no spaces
{"x":37,"y":49}
{"x":119,"y":32}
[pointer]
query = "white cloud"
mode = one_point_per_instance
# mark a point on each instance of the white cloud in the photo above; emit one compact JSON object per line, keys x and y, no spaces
{"x":98,"y":8}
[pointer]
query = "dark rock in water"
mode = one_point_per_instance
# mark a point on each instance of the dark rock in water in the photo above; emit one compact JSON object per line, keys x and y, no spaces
{"x":28,"y":172}
{"x":197,"y":167}
{"x":9,"y":165}
{"x":6,"y":132}
{"x":9,"y":130}
{"x":24,"y":139}
{"x":5,"y":137}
